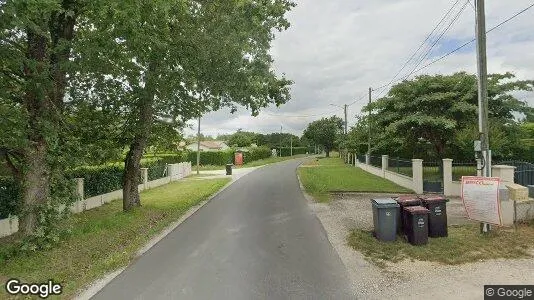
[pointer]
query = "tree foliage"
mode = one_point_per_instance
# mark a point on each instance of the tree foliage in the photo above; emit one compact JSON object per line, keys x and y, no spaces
{"x":325,"y":132}
{"x":434,"y":117}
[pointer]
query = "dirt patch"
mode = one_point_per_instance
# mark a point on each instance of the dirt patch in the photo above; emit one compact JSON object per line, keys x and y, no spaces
{"x":411,"y":279}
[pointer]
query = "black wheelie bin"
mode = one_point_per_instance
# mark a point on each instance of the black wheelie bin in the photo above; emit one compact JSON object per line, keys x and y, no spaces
{"x":437,"y":217}
{"x":416,"y":225}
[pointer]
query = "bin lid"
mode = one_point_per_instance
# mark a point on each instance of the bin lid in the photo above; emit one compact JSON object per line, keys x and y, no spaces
{"x":408,"y":200}
{"x":416,"y":210}
{"x":384,"y":202}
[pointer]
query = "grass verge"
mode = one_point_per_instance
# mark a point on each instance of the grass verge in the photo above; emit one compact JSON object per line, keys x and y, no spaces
{"x":323,"y":175}
{"x":105,"y":238}
{"x":464,"y":244}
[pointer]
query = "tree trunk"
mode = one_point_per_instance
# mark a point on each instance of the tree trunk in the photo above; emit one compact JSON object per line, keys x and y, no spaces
{"x":132,"y":173}
{"x":43,"y":101}
{"x":132,"y":162}
{"x":327,"y":152}
{"x":36,"y":186}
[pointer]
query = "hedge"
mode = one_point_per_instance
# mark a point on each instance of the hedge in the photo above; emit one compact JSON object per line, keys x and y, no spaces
{"x":9,"y":195}
{"x":97,"y":180}
{"x":256,"y":154}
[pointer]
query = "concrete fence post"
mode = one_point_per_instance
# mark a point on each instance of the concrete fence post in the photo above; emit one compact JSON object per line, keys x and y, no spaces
{"x":447,"y":176}
{"x":417,"y":175}
{"x":170,"y":171}
{"x":506,"y":173}
{"x":385,"y":164}
{"x":367,"y":159}
{"x":144,"y":177}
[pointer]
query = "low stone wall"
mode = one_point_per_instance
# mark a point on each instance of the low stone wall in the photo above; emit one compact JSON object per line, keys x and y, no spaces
{"x":402,"y":180}
{"x":174,"y":172}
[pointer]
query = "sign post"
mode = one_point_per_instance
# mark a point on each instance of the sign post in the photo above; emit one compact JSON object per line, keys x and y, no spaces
{"x":480,"y":196}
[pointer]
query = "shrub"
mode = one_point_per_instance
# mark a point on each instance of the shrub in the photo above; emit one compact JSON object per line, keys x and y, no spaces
{"x":99,"y":180}
{"x":256,"y":154}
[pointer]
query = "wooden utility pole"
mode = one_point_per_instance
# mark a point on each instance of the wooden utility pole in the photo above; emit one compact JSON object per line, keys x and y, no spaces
{"x":345,"y":111}
{"x":198,"y":146}
{"x":482,"y":70}
{"x":280,"y":140}
{"x":291,"y":146}
{"x":369,"y":124}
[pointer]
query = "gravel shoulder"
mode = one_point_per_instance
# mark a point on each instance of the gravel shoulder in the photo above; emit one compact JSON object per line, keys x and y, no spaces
{"x":411,"y":279}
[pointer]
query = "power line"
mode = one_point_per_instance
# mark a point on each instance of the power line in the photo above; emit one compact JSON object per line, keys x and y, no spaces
{"x":420,"y":46}
{"x":463,"y":45}
{"x":474,"y":39}
{"x":437,"y":40}
{"x":303,"y":116}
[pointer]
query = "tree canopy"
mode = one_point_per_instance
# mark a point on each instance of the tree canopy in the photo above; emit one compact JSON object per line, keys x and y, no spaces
{"x":325,"y":132}
{"x":434,"y":117}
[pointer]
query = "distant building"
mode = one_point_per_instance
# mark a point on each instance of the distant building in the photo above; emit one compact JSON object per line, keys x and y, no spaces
{"x":208,"y":146}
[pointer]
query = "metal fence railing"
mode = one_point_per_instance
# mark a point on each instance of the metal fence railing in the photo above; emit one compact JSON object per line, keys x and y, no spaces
{"x":376,"y":161}
{"x":460,"y":169}
{"x":361,"y":158}
{"x":524,"y":171}
{"x":400,"y":166}
{"x":433,"y":171}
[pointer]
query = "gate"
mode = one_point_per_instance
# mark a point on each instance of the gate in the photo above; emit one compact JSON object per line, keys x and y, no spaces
{"x":524,"y":171}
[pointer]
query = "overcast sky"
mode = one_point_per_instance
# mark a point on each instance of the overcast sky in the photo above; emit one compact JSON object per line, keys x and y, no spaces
{"x":335,"y":50}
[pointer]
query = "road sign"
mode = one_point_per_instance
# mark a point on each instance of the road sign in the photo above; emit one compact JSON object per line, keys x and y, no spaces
{"x":480,"y":196}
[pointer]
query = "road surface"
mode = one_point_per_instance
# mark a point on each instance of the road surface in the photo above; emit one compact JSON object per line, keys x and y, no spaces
{"x":256,"y":240}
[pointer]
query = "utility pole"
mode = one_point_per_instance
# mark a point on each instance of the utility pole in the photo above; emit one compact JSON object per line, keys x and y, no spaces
{"x":280,"y":140}
{"x":482,"y":70}
{"x":291,"y":145}
{"x":369,"y":124}
{"x":345,"y":109}
{"x":198,"y":146}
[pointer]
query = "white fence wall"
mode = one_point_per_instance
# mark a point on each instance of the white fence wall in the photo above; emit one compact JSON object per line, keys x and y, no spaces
{"x":174,"y":172}
{"x":414,"y":183}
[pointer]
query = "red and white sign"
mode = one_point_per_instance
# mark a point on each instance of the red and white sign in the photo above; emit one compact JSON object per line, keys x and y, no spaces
{"x":480,"y":196}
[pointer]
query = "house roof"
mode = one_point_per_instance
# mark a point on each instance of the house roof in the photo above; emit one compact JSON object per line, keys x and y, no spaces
{"x":211,"y":144}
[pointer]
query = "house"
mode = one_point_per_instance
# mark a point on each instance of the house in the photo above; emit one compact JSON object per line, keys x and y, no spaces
{"x":208,"y":146}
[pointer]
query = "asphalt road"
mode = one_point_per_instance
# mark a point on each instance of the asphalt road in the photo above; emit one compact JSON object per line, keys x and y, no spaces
{"x":256,"y":240}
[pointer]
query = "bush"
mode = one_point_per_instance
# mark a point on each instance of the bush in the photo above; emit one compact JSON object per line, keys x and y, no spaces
{"x":9,"y":197}
{"x":256,"y":154}
{"x":215,"y":158}
{"x":99,"y":180}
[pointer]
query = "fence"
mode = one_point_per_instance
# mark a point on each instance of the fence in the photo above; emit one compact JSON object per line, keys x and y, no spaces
{"x":174,"y":172}
{"x":376,"y":161}
{"x":524,"y":171}
{"x":447,"y":173}
{"x":400,"y":166}
{"x":460,"y":169}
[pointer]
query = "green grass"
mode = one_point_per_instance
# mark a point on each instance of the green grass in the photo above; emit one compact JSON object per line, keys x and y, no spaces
{"x":464,"y":244}
{"x":321,"y":176}
{"x":105,"y":238}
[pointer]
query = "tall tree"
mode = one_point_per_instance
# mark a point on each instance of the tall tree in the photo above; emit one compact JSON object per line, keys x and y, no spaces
{"x":433,"y":110}
{"x":36,"y":40}
{"x":325,"y":132}
{"x":178,"y":59}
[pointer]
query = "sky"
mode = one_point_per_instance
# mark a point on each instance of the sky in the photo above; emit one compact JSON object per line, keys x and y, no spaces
{"x":335,"y":50}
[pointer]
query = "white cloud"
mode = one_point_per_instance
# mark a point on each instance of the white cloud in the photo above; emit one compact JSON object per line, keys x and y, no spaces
{"x":335,"y":50}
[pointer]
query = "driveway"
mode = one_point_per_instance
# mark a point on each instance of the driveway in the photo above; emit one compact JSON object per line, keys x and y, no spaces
{"x":258,"y":239}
